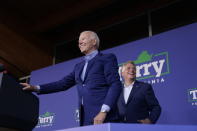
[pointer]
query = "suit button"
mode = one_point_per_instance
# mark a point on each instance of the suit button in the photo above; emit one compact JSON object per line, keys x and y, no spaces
{"x":83,"y":85}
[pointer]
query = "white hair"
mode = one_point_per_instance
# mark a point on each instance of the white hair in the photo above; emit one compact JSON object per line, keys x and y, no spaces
{"x":95,"y":36}
{"x":128,"y":62}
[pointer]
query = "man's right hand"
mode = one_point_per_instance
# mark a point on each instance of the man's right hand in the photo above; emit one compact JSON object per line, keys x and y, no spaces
{"x":145,"y":121}
{"x":28,"y":87}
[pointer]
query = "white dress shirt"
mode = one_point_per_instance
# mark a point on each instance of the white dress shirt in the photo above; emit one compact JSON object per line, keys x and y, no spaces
{"x":127,"y":91}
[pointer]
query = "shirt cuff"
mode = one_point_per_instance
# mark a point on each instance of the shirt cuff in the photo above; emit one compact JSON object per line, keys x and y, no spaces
{"x":37,"y":88}
{"x":105,"y":108}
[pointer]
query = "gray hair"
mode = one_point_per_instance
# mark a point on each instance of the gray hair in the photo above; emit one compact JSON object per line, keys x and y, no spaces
{"x":128,"y":62}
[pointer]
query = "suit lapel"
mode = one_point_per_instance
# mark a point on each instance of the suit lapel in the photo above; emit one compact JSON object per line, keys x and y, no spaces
{"x":133,"y":91}
{"x":90,"y":65}
{"x":122,"y":98}
{"x":80,"y":69}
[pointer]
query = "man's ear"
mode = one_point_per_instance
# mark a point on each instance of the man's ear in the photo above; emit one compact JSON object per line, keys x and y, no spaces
{"x":121,"y":74}
{"x":94,"y":42}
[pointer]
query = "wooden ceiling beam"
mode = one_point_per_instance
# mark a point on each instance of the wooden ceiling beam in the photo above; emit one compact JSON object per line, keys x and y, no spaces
{"x":68,"y":13}
{"x":21,"y":53}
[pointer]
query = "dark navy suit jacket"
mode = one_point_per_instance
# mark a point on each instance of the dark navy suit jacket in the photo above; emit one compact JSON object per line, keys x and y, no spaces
{"x":101,"y":85}
{"x":141,"y":104}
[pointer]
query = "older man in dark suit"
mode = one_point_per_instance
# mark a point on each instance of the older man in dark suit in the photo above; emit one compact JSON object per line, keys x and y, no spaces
{"x":137,"y":102}
{"x":97,"y":82}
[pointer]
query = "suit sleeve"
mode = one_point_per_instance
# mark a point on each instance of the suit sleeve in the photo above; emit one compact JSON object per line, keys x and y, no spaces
{"x":113,"y":80}
{"x":61,"y":85}
{"x":154,"y":107}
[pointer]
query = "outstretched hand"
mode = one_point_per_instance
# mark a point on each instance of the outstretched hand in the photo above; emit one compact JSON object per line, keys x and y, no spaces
{"x":28,"y":87}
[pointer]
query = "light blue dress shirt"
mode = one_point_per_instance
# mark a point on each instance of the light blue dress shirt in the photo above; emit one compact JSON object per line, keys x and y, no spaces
{"x":87,"y":58}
